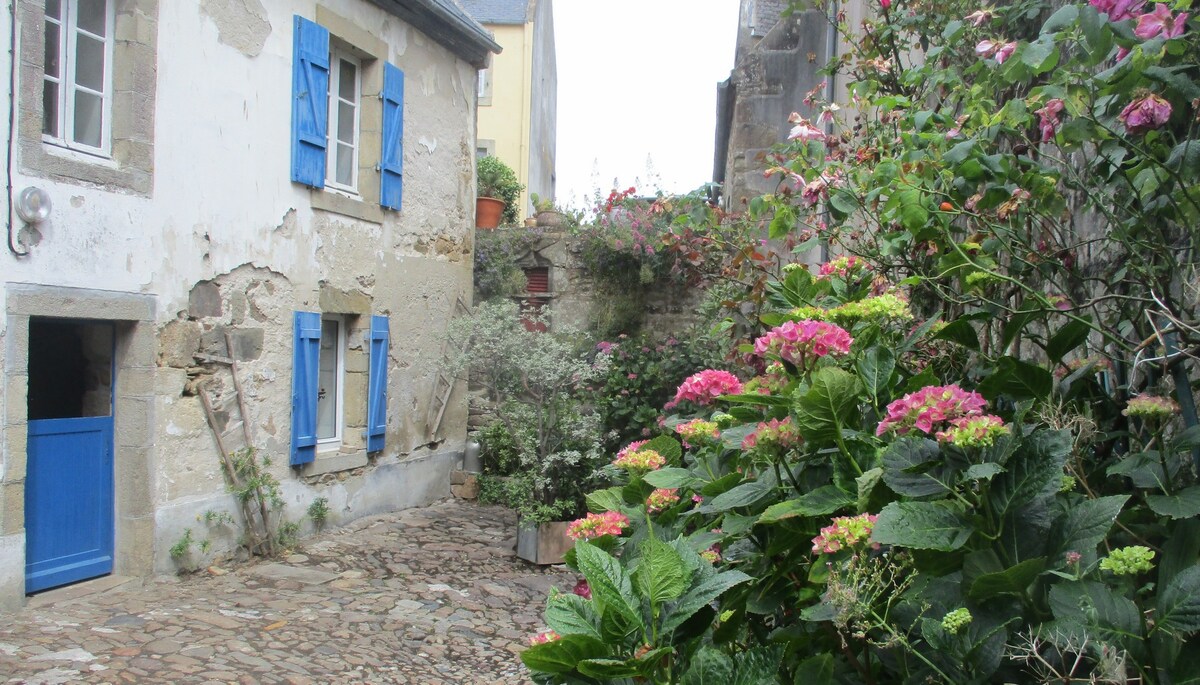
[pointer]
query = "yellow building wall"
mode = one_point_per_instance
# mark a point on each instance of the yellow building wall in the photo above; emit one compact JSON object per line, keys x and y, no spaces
{"x":506,"y":119}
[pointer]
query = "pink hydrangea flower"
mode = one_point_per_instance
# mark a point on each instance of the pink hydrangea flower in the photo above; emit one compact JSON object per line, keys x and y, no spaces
{"x":1048,"y":115}
{"x":593,"y":526}
{"x":1145,"y":114}
{"x":774,"y":433}
{"x":803,"y":342}
{"x":1150,"y":406}
{"x":698,"y":432}
{"x":1119,"y":10}
{"x":1160,"y":21}
{"x":640,"y":461}
{"x":973,"y":431}
{"x":704,"y":387}
{"x":845,"y":532}
{"x":661,"y":500}
{"x":930,"y":408}
{"x":543,"y":638}
{"x":712,"y":555}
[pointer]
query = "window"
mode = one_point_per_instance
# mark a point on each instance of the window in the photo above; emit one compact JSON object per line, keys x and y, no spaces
{"x":331,"y":383}
{"x":339,"y":389}
{"x":342,"y":143}
{"x":483,"y":87}
{"x":77,"y":79}
{"x":350,"y":136}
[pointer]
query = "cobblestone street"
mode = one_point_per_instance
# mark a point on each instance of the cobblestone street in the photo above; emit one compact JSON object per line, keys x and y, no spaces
{"x":425,"y":596}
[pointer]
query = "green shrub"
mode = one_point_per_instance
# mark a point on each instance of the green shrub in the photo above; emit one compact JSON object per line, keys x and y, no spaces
{"x":496,"y":179}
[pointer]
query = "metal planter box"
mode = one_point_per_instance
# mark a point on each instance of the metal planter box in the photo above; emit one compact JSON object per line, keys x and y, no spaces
{"x":543,"y":544}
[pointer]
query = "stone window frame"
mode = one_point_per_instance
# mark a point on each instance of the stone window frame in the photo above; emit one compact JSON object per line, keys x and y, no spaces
{"x":130,"y":166}
{"x":354,"y":311}
{"x":372,"y":50}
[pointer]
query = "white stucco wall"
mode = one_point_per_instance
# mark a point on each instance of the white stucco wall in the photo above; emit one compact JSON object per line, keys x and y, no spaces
{"x":222,"y":209}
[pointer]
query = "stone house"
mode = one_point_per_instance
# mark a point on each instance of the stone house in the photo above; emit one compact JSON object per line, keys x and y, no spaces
{"x":518,"y":92}
{"x":777,"y":61}
{"x":286,"y":184}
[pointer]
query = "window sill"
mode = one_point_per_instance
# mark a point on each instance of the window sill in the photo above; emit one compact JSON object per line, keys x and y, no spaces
{"x":338,"y":203}
{"x":333,"y":462}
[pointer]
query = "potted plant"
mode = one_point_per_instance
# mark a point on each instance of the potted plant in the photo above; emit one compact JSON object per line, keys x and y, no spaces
{"x":536,"y":382}
{"x":547,"y":215}
{"x":498,"y":192}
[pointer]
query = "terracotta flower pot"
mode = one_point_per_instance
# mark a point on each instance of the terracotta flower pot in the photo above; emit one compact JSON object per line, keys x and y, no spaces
{"x":488,"y":211}
{"x":551,"y":219}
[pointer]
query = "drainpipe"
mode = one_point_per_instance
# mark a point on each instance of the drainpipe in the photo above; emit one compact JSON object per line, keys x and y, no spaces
{"x":831,"y":53}
{"x":12,"y":108}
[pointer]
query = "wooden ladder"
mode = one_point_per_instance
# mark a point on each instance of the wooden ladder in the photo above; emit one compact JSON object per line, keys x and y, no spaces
{"x":443,"y":384}
{"x":233,"y":435}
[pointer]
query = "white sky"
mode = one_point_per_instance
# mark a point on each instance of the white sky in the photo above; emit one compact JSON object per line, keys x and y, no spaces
{"x":638,"y":78}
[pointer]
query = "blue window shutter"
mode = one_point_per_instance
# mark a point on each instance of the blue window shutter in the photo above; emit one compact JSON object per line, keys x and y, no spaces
{"x":310,"y":107}
{"x":377,"y":384}
{"x":391,"y":162}
{"x":306,"y":358}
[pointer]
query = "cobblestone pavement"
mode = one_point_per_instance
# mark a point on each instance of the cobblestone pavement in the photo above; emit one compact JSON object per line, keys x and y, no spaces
{"x":428,"y":596}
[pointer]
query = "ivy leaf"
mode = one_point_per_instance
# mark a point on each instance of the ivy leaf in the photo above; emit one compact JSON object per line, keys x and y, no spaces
{"x":915,"y":467}
{"x":562,"y":655}
{"x":1084,"y":525}
{"x":824,"y":409}
{"x":1179,"y":604}
{"x":1183,"y":504}
{"x":660,"y":573}
{"x":1011,"y":581}
{"x":570,"y":614}
{"x":923,"y":525}
{"x":612,"y":590}
{"x":824,"y":500}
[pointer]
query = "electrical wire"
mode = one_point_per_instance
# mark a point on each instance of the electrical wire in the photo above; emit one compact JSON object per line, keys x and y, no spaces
{"x":12,"y":108}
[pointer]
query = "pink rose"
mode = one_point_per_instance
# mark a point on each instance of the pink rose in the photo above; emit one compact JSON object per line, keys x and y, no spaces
{"x":1146,"y":114}
{"x":1160,"y":22}
{"x":1049,"y":118}
{"x":1005,"y":51}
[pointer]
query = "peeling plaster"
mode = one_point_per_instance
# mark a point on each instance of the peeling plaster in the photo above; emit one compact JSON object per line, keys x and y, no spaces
{"x":430,"y":144}
{"x":241,"y":24}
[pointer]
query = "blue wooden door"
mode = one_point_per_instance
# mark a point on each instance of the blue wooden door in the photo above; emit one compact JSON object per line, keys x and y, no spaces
{"x":68,"y":501}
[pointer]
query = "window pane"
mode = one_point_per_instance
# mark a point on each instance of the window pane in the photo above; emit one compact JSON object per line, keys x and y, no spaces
{"x":346,"y":80}
{"x":345,"y":123}
{"x":50,"y":108}
{"x":50,"y":57}
{"x":54,"y":9}
{"x":88,"y":118}
{"x":89,"y":62}
{"x":92,"y":16}
{"x":345,"y":165}
{"x":327,"y":376}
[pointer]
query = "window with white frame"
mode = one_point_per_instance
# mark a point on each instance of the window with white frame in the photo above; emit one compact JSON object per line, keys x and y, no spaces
{"x":331,"y":377}
{"x":77,"y":81}
{"x":344,"y":98}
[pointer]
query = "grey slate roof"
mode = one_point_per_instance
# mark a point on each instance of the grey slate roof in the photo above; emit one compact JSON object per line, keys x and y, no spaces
{"x":446,"y":22}
{"x":498,"y":11}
